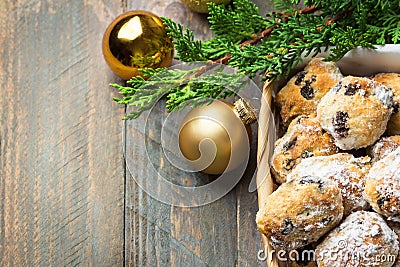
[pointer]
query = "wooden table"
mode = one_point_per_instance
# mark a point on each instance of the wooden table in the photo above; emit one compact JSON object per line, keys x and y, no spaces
{"x":66,"y":197}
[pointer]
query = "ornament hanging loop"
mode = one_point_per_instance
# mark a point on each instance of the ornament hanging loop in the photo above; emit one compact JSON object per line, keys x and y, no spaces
{"x":244,"y":111}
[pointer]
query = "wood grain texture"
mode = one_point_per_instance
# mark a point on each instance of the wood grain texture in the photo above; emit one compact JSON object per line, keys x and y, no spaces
{"x":160,"y":234}
{"x":66,"y":197}
{"x":61,"y":185}
{"x":222,"y":233}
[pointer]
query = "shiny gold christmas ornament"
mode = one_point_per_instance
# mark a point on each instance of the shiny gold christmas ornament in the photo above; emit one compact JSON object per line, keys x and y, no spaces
{"x":136,"y":39}
{"x":215,"y":135}
{"x":201,"y":6}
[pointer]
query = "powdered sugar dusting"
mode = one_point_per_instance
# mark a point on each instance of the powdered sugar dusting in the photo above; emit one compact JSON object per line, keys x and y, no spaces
{"x":304,"y":138}
{"x":384,"y":94}
{"x":388,"y":168}
{"x":300,"y":212}
{"x":344,"y":112}
{"x":363,"y":234}
{"x":344,"y":169}
{"x":384,"y":146}
{"x":383,"y":182}
{"x":367,"y":106}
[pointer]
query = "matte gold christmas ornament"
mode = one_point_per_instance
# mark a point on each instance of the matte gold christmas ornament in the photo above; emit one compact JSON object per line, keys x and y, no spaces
{"x":201,"y":6}
{"x":216,"y":137}
{"x":136,"y":39}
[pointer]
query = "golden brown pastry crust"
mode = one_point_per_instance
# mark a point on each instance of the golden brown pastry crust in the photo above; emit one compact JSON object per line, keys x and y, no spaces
{"x":344,"y":169}
{"x":362,"y":239}
{"x":392,"y":80}
{"x":304,"y":138}
{"x":395,"y":226}
{"x":356,"y":112}
{"x":382,"y":186}
{"x":303,"y":92}
{"x":299,"y":212}
{"x":319,"y":185}
{"x":384,"y":146}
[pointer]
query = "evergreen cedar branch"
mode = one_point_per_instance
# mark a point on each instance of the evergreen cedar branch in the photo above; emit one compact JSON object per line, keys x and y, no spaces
{"x":261,"y":45}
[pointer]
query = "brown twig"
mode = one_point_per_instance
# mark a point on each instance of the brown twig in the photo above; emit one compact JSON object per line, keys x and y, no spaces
{"x":307,"y":10}
{"x":253,"y":41}
{"x":258,"y":37}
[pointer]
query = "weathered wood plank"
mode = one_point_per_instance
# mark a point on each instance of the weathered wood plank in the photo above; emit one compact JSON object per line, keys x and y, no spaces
{"x":158,"y":234}
{"x":222,"y":233}
{"x":61,"y":184}
{"x":249,"y":239}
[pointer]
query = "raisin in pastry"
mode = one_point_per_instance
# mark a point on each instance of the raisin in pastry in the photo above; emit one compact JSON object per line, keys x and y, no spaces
{"x":344,"y":169}
{"x":382,"y":186}
{"x":300,"y":212}
{"x":384,"y":146}
{"x":392,"y":80}
{"x":355,"y":112}
{"x":302,"y":92}
{"x":304,"y":138}
{"x":362,"y":239}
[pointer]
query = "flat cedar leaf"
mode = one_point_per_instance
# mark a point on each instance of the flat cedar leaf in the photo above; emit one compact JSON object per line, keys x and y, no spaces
{"x":395,"y":33}
{"x":269,"y":45}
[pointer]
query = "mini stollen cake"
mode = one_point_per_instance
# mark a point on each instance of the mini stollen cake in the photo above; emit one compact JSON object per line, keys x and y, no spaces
{"x":362,"y":239}
{"x":382,"y":186}
{"x":395,"y":226}
{"x":384,"y":146}
{"x":300,"y":212}
{"x":355,"y":112}
{"x":303,"y":92}
{"x":344,"y":169}
{"x":392,"y":80}
{"x":304,"y":138}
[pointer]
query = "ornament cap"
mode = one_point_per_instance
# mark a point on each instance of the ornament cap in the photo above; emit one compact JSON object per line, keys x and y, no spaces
{"x":245,"y":112}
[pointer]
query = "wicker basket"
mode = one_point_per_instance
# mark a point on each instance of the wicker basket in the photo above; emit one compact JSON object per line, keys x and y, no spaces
{"x":264,"y":178}
{"x":358,"y":62}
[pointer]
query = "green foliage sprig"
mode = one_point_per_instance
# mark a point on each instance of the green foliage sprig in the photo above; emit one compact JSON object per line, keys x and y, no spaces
{"x":181,"y":88}
{"x":269,"y":45}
